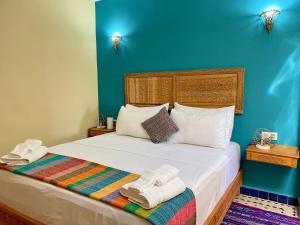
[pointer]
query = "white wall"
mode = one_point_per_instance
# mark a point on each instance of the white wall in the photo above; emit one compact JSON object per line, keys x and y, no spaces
{"x":48,"y":72}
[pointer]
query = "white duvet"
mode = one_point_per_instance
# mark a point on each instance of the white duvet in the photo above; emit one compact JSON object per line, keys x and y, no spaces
{"x":207,"y":171}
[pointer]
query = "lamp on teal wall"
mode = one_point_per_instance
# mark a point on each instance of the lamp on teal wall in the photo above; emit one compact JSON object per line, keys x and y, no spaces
{"x":116,"y":40}
{"x":269,"y":15}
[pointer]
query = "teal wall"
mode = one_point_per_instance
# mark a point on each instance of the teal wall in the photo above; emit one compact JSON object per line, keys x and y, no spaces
{"x":173,"y":35}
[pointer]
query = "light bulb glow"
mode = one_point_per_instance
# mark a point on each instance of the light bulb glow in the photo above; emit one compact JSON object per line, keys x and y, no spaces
{"x":270,"y":13}
{"x":269,"y":16}
{"x":116,"y":39}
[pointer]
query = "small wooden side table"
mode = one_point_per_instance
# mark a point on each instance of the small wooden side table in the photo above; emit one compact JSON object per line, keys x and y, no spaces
{"x":278,"y":155}
{"x":94,"y":131}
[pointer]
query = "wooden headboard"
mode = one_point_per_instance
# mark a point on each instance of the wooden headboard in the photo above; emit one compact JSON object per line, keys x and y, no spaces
{"x":198,"y":88}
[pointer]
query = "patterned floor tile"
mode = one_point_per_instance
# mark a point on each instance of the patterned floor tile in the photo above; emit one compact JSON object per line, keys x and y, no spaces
{"x":268,"y":205}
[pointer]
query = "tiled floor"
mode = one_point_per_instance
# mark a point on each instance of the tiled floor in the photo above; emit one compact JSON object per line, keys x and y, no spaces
{"x":268,"y":205}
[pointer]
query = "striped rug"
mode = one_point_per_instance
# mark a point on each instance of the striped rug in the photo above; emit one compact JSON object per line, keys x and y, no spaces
{"x":240,"y":214}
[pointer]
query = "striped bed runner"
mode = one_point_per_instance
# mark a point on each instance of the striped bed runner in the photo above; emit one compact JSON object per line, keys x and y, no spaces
{"x":103,"y":183}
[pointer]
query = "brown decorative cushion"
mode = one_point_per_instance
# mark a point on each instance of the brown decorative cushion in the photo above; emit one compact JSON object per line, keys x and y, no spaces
{"x":160,"y":127}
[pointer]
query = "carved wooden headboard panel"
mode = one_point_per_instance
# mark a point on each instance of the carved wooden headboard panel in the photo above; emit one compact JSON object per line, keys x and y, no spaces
{"x":199,"y":88}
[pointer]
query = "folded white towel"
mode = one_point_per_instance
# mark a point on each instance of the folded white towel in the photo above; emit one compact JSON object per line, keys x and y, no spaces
{"x":28,"y":158}
{"x":157,"y":177}
{"x":147,"y":180}
{"x":24,"y":148}
{"x":165,"y":174}
{"x":155,"y":195}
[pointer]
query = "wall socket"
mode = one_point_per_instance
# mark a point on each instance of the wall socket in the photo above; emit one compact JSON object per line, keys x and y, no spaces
{"x":272,"y":135}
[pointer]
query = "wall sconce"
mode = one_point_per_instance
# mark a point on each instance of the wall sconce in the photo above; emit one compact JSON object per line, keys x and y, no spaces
{"x":269,"y":16}
{"x":116,"y":39}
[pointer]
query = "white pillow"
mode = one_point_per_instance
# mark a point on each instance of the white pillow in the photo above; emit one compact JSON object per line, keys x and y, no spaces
{"x":228,"y":112}
{"x":207,"y":130}
{"x":130,"y":120}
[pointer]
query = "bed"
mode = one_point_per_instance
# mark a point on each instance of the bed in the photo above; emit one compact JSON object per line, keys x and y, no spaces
{"x":212,"y":174}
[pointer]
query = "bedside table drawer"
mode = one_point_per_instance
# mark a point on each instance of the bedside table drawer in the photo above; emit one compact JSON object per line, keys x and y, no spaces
{"x":277,"y":160}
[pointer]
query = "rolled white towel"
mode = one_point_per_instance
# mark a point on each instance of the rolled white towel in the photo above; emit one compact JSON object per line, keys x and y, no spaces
{"x":23,"y":148}
{"x":155,"y":195}
{"x":147,"y":180}
{"x":165,"y":174}
{"x":28,"y":158}
{"x":33,"y":143}
{"x":157,"y":177}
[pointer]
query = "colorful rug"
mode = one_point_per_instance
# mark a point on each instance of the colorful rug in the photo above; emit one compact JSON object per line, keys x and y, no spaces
{"x":268,"y":205}
{"x":240,"y":214}
{"x":103,"y":183}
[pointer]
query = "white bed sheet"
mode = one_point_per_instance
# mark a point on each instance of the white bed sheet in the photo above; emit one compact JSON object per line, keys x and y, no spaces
{"x":207,"y":171}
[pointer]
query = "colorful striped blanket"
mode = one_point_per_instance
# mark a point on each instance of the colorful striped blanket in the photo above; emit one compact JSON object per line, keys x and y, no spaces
{"x":103,"y":183}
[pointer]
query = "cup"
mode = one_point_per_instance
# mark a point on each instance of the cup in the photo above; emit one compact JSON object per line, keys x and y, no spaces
{"x":110,"y":123}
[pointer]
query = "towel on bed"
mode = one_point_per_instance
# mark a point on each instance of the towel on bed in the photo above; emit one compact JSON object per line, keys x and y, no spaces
{"x":165,"y":174}
{"x":150,"y":178}
{"x":24,"y":148}
{"x":29,"y":157}
{"x":146,"y":181}
{"x":155,"y":195}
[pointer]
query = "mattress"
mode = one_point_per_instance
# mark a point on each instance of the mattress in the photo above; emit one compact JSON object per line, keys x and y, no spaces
{"x":206,"y":171}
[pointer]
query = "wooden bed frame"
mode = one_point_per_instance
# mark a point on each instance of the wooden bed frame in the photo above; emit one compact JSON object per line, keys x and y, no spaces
{"x":199,"y":88}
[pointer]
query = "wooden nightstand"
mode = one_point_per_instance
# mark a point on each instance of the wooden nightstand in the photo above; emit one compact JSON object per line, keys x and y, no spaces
{"x":94,"y":131}
{"x":278,"y":155}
